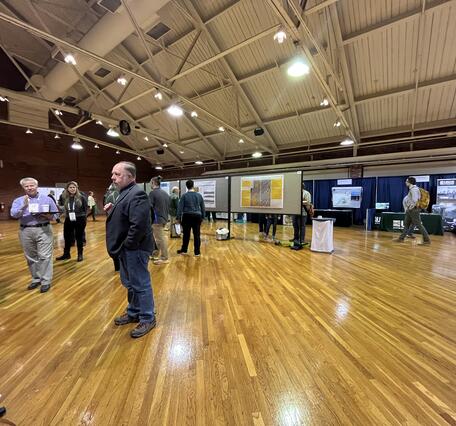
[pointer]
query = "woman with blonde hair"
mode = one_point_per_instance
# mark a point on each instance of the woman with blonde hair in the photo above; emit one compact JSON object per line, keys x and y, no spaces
{"x":74,"y":205}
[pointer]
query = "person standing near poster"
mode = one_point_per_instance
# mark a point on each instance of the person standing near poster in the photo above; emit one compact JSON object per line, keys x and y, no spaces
{"x":159,"y":202}
{"x":299,"y":222}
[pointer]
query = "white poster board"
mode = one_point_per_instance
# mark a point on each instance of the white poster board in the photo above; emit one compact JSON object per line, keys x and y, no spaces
{"x":446,"y":198}
{"x":262,"y":191}
{"x":166,"y":187}
{"x":347,"y":196}
{"x":207,"y":189}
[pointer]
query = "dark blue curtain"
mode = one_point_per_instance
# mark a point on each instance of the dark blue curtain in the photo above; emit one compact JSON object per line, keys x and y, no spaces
{"x":308,"y":184}
{"x":323,"y":196}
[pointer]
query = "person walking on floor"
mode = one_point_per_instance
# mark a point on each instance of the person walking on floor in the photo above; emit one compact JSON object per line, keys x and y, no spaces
{"x":159,"y":202}
{"x":74,"y":204}
{"x":129,"y":238}
{"x":173,"y":205}
{"x":91,"y":203}
{"x":190,"y":213}
{"x":412,"y":213}
{"x":35,"y":211}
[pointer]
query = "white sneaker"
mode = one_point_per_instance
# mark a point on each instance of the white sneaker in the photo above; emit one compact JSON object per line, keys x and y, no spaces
{"x":161,"y":261}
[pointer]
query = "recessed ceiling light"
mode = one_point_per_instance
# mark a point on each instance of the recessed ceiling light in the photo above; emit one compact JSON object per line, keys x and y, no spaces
{"x":138,"y":158}
{"x":76,"y":144}
{"x":29,"y":132}
{"x":122,"y":80}
{"x":117,"y":152}
{"x":175,"y":111}
{"x":347,"y":142}
{"x":99,"y":122}
{"x":97,"y":146}
{"x":58,"y":112}
{"x":111,"y":132}
{"x":198,"y":162}
{"x":165,"y":145}
{"x":241,"y":140}
{"x":221,"y":129}
{"x":280,"y":36}
{"x":56,"y":136}
{"x":337,"y":124}
{"x":4,"y":99}
{"x":257,"y":154}
{"x":194,"y":114}
{"x":158,"y":96}
{"x":69,"y":59}
{"x":158,"y":168}
{"x":181,"y":152}
{"x":146,"y":138}
{"x":298,"y":68}
{"x":324,"y":102}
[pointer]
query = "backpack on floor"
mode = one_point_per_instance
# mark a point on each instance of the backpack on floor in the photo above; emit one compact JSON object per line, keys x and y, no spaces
{"x":423,"y":202}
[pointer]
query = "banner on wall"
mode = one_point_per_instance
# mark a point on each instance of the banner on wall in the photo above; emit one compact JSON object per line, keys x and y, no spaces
{"x":446,"y":199}
{"x":348,"y":197}
{"x":262,"y":191}
{"x":207,"y":189}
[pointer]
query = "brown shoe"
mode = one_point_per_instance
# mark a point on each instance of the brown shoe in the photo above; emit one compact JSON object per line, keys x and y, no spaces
{"x":125,"y":319}
{"x":143,"y":328}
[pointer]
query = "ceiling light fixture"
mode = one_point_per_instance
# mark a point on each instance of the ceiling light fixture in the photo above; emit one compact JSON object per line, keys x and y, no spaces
{"x":29,"y":132}
{"x":122,"y":80}
{"x":97,"y":146}
{"x":158,"y":168}
{"x":99,"y":122}
{"x":146,"y":138}
{"x":181,"y":152}
{"x":324,"y":102}
{"x":69,"y":59}
{"x":198,"y":162}
{"x":111,"y":132}
{"x":138,"y":158}
{"x":117,"y":152}
{"x":194,"y":114}
{"x":347,"y":142}
{"x":298,"y":68}
{"x":76,"y":144}
{"x":257,"y":154}
{"x":58,"y":112}
{"x":165,"y":145}
{"x":56,"y":136}
{"x":4,"y":99}
{"x":221,"y":129}
{"x":337,"y":124}
{"x":175,"y":111}
{"x":280,"y":36}
{"x":241,"y":140}
{"x":158,"y":96}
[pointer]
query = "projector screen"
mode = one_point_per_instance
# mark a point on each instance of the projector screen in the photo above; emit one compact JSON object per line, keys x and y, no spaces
{"x":347,"y":196}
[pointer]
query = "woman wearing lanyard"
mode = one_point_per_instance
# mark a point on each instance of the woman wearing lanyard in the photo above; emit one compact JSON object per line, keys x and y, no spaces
{"x":74,"y":205}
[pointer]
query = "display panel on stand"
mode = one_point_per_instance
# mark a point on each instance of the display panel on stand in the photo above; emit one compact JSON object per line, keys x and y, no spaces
{"x":446,"y":199}
{"x":347,"y":197}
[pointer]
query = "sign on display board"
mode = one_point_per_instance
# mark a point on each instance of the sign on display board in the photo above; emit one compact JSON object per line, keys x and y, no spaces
{"x":344,"y":182}
{"x":165,"y":187}
{"x":422,"y":178}
{"x":262,"y":191}
{"x":348,"y":197}
{"x":446,"y":199}
{"x":207,"y":189}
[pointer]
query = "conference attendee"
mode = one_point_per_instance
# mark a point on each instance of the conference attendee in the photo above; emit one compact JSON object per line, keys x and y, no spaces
{"x":92,"y":205}
{"x":35,"y":211}
{"x":74,"y":204}
{"x":412,"y":213}
{"x":110,"y":197}
{"x":159,"y":202}
{"x":271,"y":219}
{"x":52,"y":195}
{"x":299,"y":221}
{"x":129,"y":238}
{"x":409,"y":231}
{"x":190,"y":213}
{"x":173,"y":205}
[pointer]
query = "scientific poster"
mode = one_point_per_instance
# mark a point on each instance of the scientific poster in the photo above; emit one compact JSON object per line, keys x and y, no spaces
{"x":262,"y":191}
{"x":348,"y":196}
{"x":207,"y":189}
{"x":446,"y":199}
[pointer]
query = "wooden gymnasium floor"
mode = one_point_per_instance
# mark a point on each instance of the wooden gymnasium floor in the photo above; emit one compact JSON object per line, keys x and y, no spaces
{"x":249,"y":334}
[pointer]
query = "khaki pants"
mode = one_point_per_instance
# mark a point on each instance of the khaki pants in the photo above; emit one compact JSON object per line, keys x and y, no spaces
{"x":38,"y":246}
{"x":161,"y":239}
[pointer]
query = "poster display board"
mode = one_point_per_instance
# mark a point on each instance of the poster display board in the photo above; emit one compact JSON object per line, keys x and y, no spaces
{"x":46,"y":190}
{"x":166,"y":187}
{"x":207,"y":188}
{"x":446,"y":199}
{"x":264,"y":192}
{"x":347,"y":196}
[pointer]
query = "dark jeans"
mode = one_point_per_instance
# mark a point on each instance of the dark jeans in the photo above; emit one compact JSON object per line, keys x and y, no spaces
{"x":299,"y":228}
{"x":191,"y":222}
{"x":136,"y":278}
{"x":72,"y":230}
{"x":92,"y":213}
{"x":262,"y":222}
{"x":412,"y":219}
{"x":271,"y":219}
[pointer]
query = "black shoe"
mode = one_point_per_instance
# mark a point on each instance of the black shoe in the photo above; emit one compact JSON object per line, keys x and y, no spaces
{"x":34,"y":285}
{"x":143,"y":328}
{"x":181,"y":251}
{"x":44,"y":288}
{"x":80,"y":258}
{"x":63,"y":257}
{"x":125,"y":319}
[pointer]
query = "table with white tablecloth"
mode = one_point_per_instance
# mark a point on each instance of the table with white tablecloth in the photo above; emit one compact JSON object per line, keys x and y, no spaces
{"x":322,"y":234}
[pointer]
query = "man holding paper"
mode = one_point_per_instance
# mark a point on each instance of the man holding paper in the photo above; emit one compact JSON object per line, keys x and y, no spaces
{"x":35,"y":211}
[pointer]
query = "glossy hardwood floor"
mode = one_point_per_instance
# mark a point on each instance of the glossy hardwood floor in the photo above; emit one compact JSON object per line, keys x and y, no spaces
{"x":248,"y":334}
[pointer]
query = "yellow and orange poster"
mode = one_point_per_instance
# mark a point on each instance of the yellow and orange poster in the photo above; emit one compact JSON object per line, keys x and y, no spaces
{"x":262,"y":191}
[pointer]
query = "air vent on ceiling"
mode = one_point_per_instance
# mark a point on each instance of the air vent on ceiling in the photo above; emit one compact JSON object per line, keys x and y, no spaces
{"x":158,"y":31}
{"x":110,"y":5}
{"x":102,"y":72}
{"x":69,"y":100}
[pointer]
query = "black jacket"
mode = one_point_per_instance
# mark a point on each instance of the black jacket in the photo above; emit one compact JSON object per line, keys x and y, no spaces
{"x":128,"y":224}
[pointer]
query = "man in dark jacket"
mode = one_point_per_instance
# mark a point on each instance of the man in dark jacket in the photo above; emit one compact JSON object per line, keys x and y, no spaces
{"x":129,"y":237}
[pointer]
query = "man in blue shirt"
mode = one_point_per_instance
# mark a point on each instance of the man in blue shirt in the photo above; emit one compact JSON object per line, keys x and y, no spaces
{"x":35,"y":211}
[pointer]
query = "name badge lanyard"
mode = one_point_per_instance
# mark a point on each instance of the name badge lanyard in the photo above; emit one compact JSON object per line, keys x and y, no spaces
{"x":71,"y":213}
